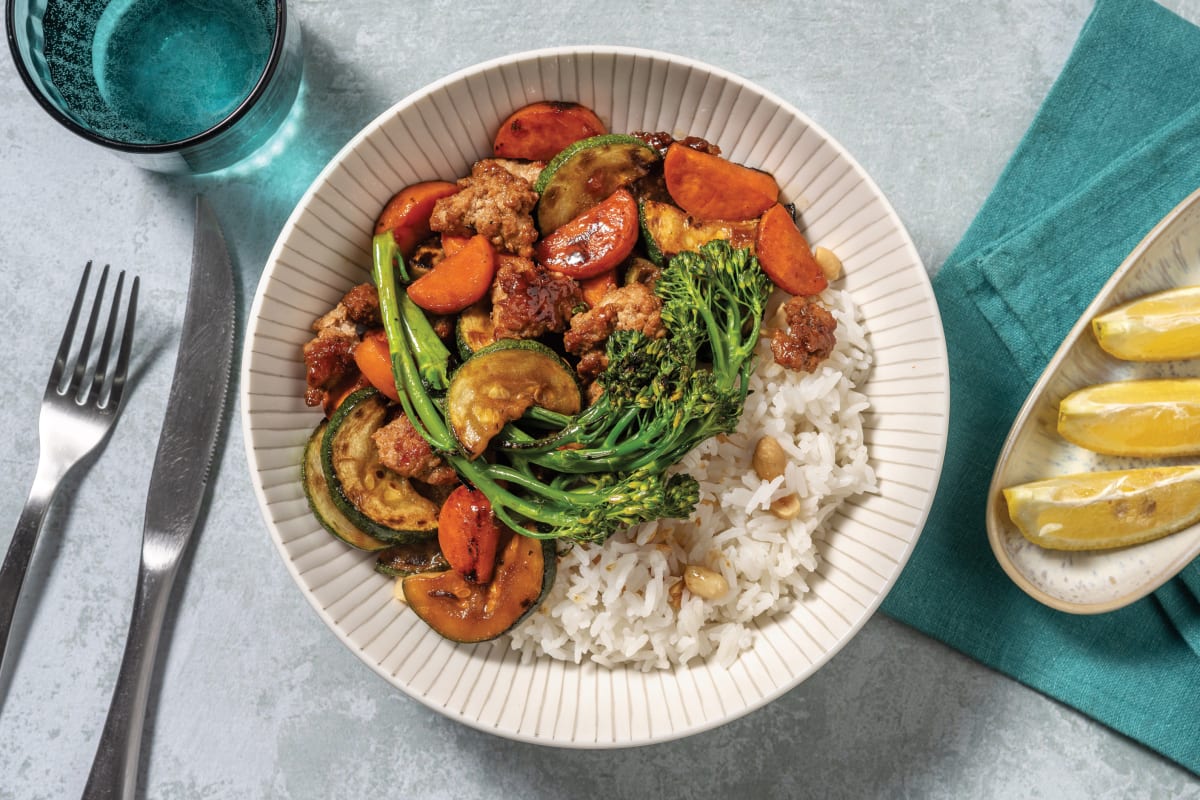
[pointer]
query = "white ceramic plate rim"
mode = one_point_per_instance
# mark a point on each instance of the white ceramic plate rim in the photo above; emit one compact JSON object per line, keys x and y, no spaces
{"x":930,"y":460}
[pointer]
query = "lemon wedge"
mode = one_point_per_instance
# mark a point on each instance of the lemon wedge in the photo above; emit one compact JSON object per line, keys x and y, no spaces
{"x":1157,"y":327}
{"x":1144,"y":418}
{"x":1102,"y":510}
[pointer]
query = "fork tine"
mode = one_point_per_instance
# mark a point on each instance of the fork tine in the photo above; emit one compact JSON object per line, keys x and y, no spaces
{"x":64,"y":347}
{"x":118,"y":381}
{"x":98,"y":379}
{"x":85,"y":347}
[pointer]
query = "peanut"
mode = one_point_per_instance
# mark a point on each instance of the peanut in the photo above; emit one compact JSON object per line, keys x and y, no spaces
{"x":829,"y":263}
{"x":769,"y":459}
{"x":786,"y":507}
{"x":704,"y":582}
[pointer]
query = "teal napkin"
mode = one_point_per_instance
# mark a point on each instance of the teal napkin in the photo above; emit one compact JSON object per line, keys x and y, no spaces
{"x":1115,"y":146}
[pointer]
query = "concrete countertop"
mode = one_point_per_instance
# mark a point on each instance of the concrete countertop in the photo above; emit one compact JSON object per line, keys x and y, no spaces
{"x":254,"y":697}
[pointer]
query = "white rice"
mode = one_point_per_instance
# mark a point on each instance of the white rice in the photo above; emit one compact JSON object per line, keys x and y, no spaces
{"x":610,"y":602}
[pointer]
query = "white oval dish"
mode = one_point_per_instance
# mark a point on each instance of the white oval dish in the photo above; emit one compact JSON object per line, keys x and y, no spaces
{"x":437,"y":133}
{"x":1093,"y":582}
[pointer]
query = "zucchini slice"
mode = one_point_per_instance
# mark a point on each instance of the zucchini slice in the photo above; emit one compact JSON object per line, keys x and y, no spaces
{"x":474,"y":330}
{"x":668,"y":230}
{"x":409,"y":559}
{"x":377,"y":500}
{"x":500,"y":383}
{"x":587,"y":172}
{"x":316,"y":490}
{"x":466,"y":612}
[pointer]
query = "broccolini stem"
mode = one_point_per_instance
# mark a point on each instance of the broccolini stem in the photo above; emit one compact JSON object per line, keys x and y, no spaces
{"x":418,"y":406}
{"x":383,"y":251}
{"x":431,"y":356}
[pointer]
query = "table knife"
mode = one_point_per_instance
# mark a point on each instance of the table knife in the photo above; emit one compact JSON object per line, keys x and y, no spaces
{"x":187,"y":448}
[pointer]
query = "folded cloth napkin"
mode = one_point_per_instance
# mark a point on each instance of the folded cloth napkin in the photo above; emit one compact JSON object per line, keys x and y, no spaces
{"x":1115,"y":146}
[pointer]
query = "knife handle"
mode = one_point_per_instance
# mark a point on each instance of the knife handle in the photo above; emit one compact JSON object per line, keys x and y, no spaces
{"x":115,"y":770}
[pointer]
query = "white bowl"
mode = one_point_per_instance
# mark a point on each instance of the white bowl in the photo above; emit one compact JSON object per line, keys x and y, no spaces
{"x":437,"y":133}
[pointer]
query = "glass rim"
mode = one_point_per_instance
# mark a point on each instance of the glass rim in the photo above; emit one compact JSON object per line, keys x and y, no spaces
{"x":228,"y":121}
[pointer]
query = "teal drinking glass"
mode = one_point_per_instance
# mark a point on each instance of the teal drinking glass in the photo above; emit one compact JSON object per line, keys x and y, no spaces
{"x":182,"y":86}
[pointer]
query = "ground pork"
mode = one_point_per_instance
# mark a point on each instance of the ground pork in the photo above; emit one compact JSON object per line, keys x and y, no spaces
{"x":329,"y":356}
{"x":362,"y":306}
{"x":634,"y":307}
{"x":661,"y":140}
{"x":404,"y":451}
{"x":494,"y":202}
{"x":529,"y":300}
{"x":807,"y":336}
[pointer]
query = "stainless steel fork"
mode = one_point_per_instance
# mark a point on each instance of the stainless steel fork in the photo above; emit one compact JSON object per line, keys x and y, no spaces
{"x":79,"y":408}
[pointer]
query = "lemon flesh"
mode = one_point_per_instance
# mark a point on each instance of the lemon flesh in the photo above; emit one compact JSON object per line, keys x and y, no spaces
{"x":1103,"y":510}
{"x":1145,"y":418}
{"x":1158,"y":327}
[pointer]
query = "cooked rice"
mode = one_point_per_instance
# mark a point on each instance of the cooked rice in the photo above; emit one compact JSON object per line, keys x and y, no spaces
{"x":610,"y":602}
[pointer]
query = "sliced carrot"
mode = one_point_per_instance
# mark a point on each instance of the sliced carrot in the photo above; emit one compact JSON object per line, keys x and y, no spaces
{"x":595,"y":288}
{"x":785,"y":255}
{"x":538,"y":131}
{"x":452,"y":244}
{"x":407,"y":214}
{"x":595,"y":241}
{"x":458,"y":280}
{"x":711,"y":187}
{"x":374,"y":360}
{"x":468,"y":534}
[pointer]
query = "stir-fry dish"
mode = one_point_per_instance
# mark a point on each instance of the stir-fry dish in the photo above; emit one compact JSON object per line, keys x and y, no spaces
{"x":544,"y":343}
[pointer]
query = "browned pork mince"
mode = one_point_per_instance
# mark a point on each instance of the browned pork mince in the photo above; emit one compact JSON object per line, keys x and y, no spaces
{"x":807,"y":336}
{"x":329,"y":356}
{"x":404,"y":451}
{"x":634,"y":307}
{"x":529,"y":300}
{"x":492,"y":201}
{"x":661,"y":140}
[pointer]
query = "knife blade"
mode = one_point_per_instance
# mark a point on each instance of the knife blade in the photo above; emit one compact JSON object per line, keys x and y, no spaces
{"x":187,"y":448}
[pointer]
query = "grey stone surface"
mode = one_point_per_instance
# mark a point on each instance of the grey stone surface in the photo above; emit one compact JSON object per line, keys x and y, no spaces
{"x":254,"y":697}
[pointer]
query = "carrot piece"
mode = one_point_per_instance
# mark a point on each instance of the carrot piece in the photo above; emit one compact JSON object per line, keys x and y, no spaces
{"x":785,"y":255}
{"x":468,"y":534}
{"x":452,"y":244}
{"x":407,"y":214}
{"x":538,"y":131}
{"x":595,"y":241}
{"x":711,"y":187}
{"x":458,"y":280}
{"x":596,"y":287}
{"x":374,"y":360}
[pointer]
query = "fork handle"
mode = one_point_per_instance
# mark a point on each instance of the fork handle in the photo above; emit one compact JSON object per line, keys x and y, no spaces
{"x":115,"y":769}
{"x":20,"y":549}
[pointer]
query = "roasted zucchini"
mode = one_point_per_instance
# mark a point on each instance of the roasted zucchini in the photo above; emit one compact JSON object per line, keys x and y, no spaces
{"x":668,"y":230}
{"x":466,"y":612}
{"x":409,"y":559}
{"x":377,"y":500}
{"x":316,"y":490}
{"x":586,"y":173}
{"x":474,"y":329}
{"x":500,"y":383}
